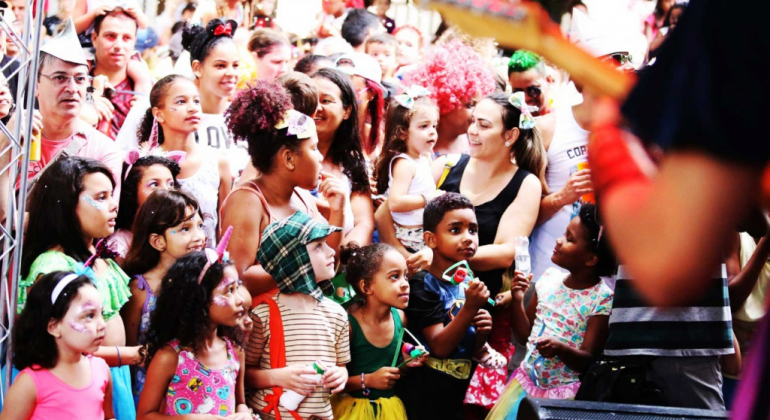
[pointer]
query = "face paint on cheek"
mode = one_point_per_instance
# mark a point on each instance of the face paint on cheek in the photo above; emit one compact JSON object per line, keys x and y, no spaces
{"x":172,"y":109}
{"x":173,"y":232}
{"x":91,"y":201}
{"x":220,"y":300}
{"x":78,"y":327}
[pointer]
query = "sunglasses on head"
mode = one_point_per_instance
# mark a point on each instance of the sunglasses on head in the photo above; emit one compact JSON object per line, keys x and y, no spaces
{"x":531,"y":91}
{"x":619,"y":58}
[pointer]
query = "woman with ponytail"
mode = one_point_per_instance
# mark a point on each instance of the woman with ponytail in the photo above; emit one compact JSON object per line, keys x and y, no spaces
{"x":504,"y":177}
{"x":170,"y":124}
{"x":215,"y":62}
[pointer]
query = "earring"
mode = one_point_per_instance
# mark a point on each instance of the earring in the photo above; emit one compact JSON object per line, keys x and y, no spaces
{"x":507,"y":144}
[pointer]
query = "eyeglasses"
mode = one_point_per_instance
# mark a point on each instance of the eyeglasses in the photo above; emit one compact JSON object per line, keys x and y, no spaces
{"x":61,"y":80}
{"x":532,"y":91}
{"x":619,"y":58}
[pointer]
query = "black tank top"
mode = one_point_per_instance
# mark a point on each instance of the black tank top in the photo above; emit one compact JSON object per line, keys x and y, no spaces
{"x":488,"y":215}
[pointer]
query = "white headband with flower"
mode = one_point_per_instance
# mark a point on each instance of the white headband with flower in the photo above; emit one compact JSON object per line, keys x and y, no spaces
{"x":299,"y":124}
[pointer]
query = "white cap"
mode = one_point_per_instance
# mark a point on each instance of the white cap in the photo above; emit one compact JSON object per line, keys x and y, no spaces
{"x":360,"y":64}
{"x":598,"y":38}
{"x":65,"y":46}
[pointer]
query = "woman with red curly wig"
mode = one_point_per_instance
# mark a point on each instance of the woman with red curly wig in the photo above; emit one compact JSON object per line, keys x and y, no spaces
{"x":283,"y":146}
{"x":457,"y":79}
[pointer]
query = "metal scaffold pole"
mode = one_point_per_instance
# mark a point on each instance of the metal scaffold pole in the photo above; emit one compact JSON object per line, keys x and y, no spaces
{"x":14,"y":155}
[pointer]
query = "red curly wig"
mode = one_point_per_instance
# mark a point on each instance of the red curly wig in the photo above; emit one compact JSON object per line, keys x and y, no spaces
{"x":453,"y":73}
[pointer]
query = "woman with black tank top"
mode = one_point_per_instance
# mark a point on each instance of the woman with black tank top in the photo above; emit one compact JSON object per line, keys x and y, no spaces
{"x":504,"y":177}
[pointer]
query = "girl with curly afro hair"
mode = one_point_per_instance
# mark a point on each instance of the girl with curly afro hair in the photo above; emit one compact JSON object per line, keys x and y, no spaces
{"x":195,"y":325}
{"x":283,"y":146}
{"x":457,"y":78}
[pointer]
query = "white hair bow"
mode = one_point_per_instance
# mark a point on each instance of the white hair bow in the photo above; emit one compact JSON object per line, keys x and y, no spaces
{"x":410,"y":95}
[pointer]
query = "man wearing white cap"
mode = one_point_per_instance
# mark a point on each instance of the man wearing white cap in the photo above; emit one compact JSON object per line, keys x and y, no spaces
{"x":565,"y":137}
{"x":62,"y":81}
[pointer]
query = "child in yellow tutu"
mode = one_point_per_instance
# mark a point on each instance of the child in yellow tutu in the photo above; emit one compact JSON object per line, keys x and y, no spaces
{"x":377,"y":273}
{"x":567,"y":319}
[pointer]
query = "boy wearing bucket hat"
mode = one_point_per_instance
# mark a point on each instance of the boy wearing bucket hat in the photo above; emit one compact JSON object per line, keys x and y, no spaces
{"x":297,"y":327}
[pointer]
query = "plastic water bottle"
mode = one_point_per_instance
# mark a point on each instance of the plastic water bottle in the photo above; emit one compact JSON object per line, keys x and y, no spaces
{"x":522,"y":260}
{"x":290,"y":400}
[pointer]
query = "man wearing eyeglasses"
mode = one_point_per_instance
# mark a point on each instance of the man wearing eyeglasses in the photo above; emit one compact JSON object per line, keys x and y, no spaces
{"x":61,"y":89}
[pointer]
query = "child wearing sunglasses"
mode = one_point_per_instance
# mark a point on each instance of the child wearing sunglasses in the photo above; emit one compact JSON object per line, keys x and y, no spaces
{"x":566,"y":320}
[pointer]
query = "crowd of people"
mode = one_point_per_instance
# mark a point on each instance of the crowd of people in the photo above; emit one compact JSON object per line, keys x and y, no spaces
{"x":228,"y":221}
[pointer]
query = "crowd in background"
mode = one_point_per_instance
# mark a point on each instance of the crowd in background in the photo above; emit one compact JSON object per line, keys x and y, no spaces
{"x":229,"y":220}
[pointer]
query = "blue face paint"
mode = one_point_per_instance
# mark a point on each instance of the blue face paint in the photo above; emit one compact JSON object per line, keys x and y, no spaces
{"x":91,"y":201}
{"x":173,"y":232}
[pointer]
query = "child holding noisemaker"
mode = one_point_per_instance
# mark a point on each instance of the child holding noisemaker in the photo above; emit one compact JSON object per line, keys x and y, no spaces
{"x":54,"y":341}
{"x":191,"y":330}
{"x":297,"y":329}
{"x":403,"y":168}
{"x":70,"y":215}
{"x":446,"y":317}
{"x":169,"y":226}
{"x":567,"y":319}
{"x":378,"y":275}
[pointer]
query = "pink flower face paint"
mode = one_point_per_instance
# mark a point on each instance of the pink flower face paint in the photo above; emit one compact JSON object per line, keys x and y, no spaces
{"x":220,"y":300}
{"x":77,"y":326}
{"x":91,"y":201}
{"x":85,"y":309}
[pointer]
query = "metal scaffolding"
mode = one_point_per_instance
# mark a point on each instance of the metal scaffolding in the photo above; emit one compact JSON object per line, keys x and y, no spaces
{"x":27,"y":41}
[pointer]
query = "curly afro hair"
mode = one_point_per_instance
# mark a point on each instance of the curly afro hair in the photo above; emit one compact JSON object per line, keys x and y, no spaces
{"x":252,"y":117}
{"x":182,"y":308}
{"x":453,"y":73}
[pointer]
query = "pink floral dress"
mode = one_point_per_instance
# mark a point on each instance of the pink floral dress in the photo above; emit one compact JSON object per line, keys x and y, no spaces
{"x":196,"y":389}
{"x":562,"y":313}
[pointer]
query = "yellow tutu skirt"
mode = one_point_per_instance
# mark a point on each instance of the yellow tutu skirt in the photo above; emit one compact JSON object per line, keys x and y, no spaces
{"x":348,"y":408}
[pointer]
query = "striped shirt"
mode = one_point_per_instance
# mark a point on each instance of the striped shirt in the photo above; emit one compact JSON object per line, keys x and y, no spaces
{"x":639,"y":329}
{"x":321,"y":334}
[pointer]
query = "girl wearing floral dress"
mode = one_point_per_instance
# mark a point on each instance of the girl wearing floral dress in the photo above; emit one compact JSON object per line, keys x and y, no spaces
{"x":566,"y":321}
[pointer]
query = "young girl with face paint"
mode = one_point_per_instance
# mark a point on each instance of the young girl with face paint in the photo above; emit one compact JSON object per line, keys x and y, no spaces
{"x":196,"y":363}
{"x":378,"y":274}
{"x":141,"y":177}
{"x":69,"y":215}
{"x":565,"y":324}
{"x":54,"y":342}
{"x":171,"y":123}
{"x":297,"y":327}
{"x":169,"y":226}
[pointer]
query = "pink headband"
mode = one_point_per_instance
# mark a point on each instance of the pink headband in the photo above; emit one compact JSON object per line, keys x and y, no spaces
{"x":217,"y":255}
{"x":134,"y":155}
